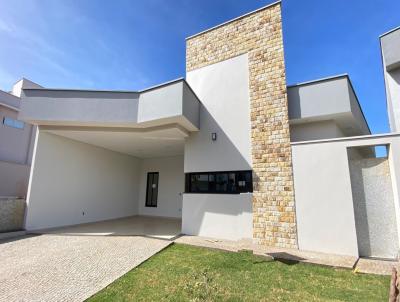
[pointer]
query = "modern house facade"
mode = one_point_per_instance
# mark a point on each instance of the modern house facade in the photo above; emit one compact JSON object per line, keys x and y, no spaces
{"x":17,"y":141}
{"x":232,"y":151}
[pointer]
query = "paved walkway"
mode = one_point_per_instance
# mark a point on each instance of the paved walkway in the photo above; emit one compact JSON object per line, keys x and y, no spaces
{"x":362,"y":265}
{"x":158,"y":227}
{"x":68,"y":268}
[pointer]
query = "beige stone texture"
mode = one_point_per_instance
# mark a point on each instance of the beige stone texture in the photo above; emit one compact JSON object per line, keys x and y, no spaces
{"x":260,"y":35}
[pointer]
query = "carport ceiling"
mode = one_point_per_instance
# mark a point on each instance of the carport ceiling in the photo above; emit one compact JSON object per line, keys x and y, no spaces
{"x":157,"y":143}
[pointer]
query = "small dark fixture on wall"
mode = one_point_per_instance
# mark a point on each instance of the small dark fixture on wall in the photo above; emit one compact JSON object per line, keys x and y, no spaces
{"x":214,"y":136}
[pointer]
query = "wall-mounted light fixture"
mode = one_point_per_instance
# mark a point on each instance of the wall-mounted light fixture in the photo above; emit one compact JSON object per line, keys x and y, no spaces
{"x":214,"y":136}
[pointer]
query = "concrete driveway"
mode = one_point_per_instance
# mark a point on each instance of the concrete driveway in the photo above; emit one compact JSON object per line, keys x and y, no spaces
{"x":59,"y":267}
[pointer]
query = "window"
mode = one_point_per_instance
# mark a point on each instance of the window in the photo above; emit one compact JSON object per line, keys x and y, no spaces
{"x":10,"y":122}
{"x":232,"y":182}
{"x":152,"y":189}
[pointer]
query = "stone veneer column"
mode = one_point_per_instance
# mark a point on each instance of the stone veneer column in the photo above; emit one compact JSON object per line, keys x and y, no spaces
{"x":260,"y":35}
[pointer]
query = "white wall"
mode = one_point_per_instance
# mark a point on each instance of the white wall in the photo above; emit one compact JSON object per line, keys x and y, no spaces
{"x":373,"y":204}
{"x":315,"y":130}
{"x":324,"y":204}
{"x":171,"y":184}
{"x":392,"y":82}
{"x":223,"y":89}
{"x":16,"y":144}
{"x":323,"y":192}
{"x":13,"y":179}
{"x":220,"y":216}
{"x":70,"y":177}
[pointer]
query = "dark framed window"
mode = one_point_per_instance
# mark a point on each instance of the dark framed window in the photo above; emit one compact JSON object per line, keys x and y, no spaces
{"x":231,"y":182}
{"x":152,"y":189}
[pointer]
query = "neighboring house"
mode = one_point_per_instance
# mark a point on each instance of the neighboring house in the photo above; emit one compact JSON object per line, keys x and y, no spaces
{"x":390,"y":46}
{"x":17,"y":140}
{"x":231,"y":150}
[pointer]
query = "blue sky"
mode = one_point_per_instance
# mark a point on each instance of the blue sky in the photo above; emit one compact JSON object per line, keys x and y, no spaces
{"x":125,"y":44}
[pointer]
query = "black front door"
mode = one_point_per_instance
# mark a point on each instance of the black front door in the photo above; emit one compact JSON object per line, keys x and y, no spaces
{"x":152,"y":189}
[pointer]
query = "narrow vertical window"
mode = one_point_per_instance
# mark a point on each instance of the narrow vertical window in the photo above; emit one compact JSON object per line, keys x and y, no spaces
{"x":152,"y":189}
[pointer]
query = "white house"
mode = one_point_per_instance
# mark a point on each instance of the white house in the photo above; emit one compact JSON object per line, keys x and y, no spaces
{"x":231,"y":151}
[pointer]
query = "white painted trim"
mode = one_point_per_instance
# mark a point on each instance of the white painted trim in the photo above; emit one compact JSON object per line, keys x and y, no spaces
{"x":395,"y":189}
{"x":389,"y":32}
{"x":28,"y":194}
{"x":116,"y":129}
{"x":9,"y":106}
{"x":338,"y":76}
{"x":350,"y":138}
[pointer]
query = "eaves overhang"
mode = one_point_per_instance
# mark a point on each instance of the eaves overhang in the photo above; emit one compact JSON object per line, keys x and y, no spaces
{"x":169,"y":103}
{"x":330,"y":98}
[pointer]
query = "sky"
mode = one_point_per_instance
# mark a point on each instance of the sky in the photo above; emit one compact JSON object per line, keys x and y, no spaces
{"x":133,"y":44}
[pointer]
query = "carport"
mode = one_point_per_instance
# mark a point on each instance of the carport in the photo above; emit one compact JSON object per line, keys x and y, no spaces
{"x":110,"y":162}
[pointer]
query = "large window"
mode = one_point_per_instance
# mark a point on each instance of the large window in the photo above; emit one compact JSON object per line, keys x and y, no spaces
{"x":233,"y":182}
{"x":152,"y":189}
{"x":10,"y":122}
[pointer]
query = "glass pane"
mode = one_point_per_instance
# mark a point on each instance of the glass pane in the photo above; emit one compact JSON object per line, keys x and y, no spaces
{"x":149,"y":189}
{"x":155,"y":189}
{"x":221,"y":182}
{"x":211,"y":183}
{"x":232,"y":182}
{"x":244,"y":181}
{"x":10,"y":122}
{"x":199,"y":183}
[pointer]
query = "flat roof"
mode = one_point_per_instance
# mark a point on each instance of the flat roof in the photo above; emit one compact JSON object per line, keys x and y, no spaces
{"x":234,"y":19}
{"x":389,"y":32}
{"x":108,"y":90}
{"x":335,"y":77}
{"x":7,"y":94}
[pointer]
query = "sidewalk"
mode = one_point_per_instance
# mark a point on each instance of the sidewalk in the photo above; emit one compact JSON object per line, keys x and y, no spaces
{"x":380,"y":267}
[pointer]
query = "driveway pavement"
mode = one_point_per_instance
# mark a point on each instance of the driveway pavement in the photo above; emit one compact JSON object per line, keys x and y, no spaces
{"x":56,"y":267}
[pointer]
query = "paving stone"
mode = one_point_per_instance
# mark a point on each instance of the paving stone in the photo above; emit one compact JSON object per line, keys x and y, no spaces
{"x":68,"y":268}
{"x":375,"y":266}
{"x":291,"y":255}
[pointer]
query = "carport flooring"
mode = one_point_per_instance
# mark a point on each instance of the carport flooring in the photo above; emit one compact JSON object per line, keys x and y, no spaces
{"x":157,"y":227}
{"x":55,"y":267}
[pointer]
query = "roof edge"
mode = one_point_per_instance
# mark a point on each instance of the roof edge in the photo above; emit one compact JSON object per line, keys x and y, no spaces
{"x":389,"y":32}
{"x":358,"y":102}
{"x":338,"y":76}
{"x":108,"y":90}
{"x":335,"y":77}
{"x":82,"y":90}
{"x":234,"y":19}
{"x":347,"y":138}
{"x":9,"y":106}
{"x":162,"y":85}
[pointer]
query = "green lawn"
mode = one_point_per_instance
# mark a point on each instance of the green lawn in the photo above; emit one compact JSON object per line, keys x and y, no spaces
{"x":185,"y":273}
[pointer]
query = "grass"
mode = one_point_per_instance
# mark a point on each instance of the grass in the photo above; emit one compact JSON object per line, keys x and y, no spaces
{"x":186,"y":273}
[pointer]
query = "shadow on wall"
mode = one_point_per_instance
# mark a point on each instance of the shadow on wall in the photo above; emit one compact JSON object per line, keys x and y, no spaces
{"x":206,"y":211}
{"x":294,"y":106}
{"x":373,"y":201}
